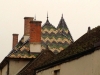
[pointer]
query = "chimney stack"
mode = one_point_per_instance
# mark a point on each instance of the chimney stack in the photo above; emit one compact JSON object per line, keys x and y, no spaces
{"x":35,"y":36}
{"x":27,"y":27}
{"x":15,"y":40}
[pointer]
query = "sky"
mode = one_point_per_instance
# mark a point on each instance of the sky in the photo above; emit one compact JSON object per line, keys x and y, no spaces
{"x":78,"y":14}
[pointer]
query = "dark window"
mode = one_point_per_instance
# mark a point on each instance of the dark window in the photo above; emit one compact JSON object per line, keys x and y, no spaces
{"x":57,"y":72}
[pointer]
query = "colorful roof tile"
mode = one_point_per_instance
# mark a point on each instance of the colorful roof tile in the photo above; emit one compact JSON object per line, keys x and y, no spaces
{"x":21,"y":50}
{"x":51,"y":36}
{"x":56,"y":38}
{"x":62,"y":28}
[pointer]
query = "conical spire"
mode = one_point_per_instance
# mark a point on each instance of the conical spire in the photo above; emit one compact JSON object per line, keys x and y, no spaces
{"x":62,"y":16}
{"x":47,"y":15}
{"x":62,"y":28}
{"x":62,"y":23}
{"x":47,"y":21}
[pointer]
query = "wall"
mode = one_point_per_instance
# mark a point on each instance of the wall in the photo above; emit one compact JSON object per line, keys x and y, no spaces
{"x":4,"y":70}
{"x":86,"y":65}
{"x":16,"y":65}
{"x":35,"y":47}
{"x":26,"y":38}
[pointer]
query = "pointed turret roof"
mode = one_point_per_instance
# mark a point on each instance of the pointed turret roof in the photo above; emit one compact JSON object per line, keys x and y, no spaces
{"x":57,"y":39}
{"x":47,"y":21}
{"x":62,"y":23}
{"x":62,"y":28}
{"x":48,"y":34}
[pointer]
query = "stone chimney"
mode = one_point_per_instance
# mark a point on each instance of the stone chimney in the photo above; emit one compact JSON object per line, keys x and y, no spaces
{"x":35,"y":36}
{"x":27,"y":27}
{"x":15,"y":40}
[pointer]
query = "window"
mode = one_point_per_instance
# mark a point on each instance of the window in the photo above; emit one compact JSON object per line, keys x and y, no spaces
{"x":57,"y":72}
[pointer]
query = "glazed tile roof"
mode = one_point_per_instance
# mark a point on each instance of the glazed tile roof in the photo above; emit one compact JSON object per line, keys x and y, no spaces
{"x":62,"y":28}
{"x":84,"y":45}
{"x":56,"y":38}
{"x":21,"y":50}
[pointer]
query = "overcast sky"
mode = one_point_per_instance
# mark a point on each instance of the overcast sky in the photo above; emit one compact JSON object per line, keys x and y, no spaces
{"x":78,"y":14}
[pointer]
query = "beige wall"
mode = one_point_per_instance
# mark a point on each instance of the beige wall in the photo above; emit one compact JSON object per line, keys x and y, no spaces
{"x":86,"y":65}
{"x":35,"y":47}
{"x":26,"y":37}
{"x":16,"y":65}
{"x":4,"y":70}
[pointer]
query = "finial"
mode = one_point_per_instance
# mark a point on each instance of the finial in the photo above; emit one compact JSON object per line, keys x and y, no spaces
{"x":47,"y":21}
{"x":62,"y":16}
{"x":47,"y":15}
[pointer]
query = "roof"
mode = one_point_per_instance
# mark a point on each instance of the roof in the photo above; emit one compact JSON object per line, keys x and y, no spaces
{"x":56,"y":38}
{"x":62,"y":28}
{"x":84,"y":45}
{"x":50,"y":36}
{"x":21,"y":50}
{"x":42,"y":58}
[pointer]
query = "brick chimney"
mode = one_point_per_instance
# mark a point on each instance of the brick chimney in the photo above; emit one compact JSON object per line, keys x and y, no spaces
{"x":27,"y":27}
{"x":15,"y":40}
{"x":35,"y":36}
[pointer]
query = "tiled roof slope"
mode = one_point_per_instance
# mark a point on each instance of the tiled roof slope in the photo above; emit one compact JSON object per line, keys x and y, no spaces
{"x":56,"y":38}
{"x":83,"y":45}
{"x":21,"y":50}
{"x":42,"y":58}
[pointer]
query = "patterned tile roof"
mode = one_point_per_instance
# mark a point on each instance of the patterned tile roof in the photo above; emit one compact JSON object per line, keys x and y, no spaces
{"x":21,"y":50}
{"x":62,"y":28}
{"x":57,"y":39}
